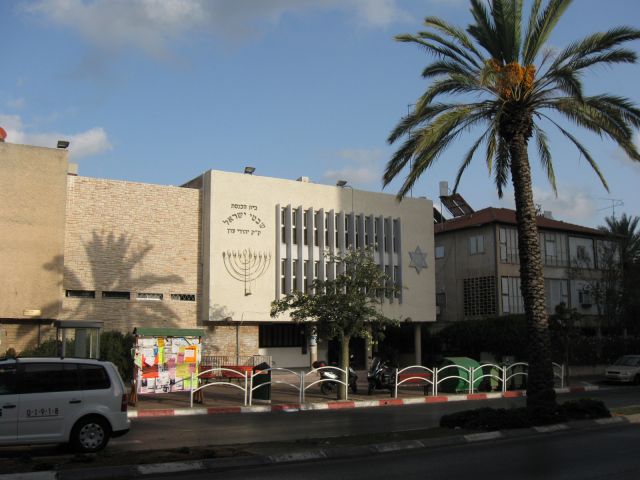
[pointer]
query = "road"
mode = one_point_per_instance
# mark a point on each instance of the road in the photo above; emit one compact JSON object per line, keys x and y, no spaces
{"x":155,"y":433}
{"x":605,"y":453}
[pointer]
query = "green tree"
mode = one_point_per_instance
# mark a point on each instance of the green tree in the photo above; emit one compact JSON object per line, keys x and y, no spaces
{"x":624,"y":233}
{"x":348,"y":306}
{"x":496,"y":77}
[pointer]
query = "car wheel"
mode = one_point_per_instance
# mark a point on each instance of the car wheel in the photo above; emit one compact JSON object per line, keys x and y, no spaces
{"x":90,"y":434}
{"x":370,"y":389}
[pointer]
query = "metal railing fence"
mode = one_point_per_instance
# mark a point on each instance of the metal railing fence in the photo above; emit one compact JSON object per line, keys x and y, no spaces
{"x":470,"y":380}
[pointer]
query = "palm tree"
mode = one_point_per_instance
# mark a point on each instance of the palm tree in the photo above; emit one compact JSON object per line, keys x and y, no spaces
{"x":624,"y":232}
{"x":495,"y":78}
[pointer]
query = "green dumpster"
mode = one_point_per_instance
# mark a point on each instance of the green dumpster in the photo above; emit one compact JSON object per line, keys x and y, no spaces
{"x":262,"y":382}
{"x":458,"y":385}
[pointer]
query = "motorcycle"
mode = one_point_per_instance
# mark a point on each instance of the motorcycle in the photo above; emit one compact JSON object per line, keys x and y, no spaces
{"x":381,"y":376}
{"x":330,"y":377}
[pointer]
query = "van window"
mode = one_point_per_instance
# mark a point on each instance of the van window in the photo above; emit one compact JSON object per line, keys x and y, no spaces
{"x":93,"y":377}
{"x":49,"y":377}
{"x":7,"y":379}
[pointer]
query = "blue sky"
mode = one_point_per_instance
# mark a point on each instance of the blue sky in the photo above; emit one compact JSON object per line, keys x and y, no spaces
{"x":160,"y":91}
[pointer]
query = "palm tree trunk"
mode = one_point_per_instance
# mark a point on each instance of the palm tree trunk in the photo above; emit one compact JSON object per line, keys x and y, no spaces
{"x":540,"y":392}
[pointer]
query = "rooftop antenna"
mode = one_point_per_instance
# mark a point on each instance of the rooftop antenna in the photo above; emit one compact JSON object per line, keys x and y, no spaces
{"x":615,"y":202}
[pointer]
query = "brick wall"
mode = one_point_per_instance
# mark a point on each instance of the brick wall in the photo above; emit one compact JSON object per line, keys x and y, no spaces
{"x":221,"y":340}
{"x":131,"y":237}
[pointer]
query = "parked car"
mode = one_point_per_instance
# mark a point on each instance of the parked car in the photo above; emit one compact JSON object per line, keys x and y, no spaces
{"x":61,"y":400}
{"x":625,"y":369}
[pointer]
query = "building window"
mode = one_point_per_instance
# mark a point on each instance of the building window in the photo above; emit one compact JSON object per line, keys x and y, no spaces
{"x":294,"y":226}
{"x":508,"y":239}
{"x":316,"y":240}
{"x":376,"y":243}
{"x":283,"y":225}
{"x":511,"y":295}
{"x":479,"y":296}
{"x":556,"y":292}
{"x":555,"y":247}
{"x":348,"y":234}
{"x":397,"y":281}
{"x":396,"y":235}
{"x":144,"y":296}
{"x":441,"y":302}
{"x":294,"y":276}
{"x":283,"y":283}
{"x":337,"y":223}
{"x":585,"y":298}
{"x":440,"y":251}
{"x":326,"y":229}
{"x":367,"y":233}
{"x":305,"y":229}
{"x":476,"y":244}
{"x":80,"y":294}
{"x":358,"y":232}
{"x":280,"y":336}
{"x":183,"y":297}
{"x":305,"y":270}
{"x":117,"y":295}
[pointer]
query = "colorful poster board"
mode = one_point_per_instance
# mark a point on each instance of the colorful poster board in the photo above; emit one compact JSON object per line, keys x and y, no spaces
{"x":164,"y":363}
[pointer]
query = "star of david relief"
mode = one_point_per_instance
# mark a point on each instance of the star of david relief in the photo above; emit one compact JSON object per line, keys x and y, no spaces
{"x":418,"y":259}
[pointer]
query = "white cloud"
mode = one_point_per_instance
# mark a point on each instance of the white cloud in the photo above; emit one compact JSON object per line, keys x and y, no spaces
{"x":572,"y":204}
{"x":83,"y":144}
{"x":361,"y":167}
{"x":149,"y":25}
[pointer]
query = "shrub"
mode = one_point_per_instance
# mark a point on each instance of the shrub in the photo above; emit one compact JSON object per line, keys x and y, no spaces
{"x":491,"y":419}
{"x":584,"y":409}
{"x":116,"y":348}
{"x":488,"y":419}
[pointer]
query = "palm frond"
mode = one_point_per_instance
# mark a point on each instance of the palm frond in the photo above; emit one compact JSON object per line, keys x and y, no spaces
{"x":445,"y":67}
{"x":450,"y":46}
{"x":585,"y":153}
{"x":468,"y":158}
{"x":454,"y":32}
{"x":544,"y":25}
{"x":484,"y":31}
{"x":545,"y":156}
{"x":507,"y":16}
{"x":426,"y":145}
{"x":596,"y":43}
{"x":435,"y":49}
{"x":502,"y":166}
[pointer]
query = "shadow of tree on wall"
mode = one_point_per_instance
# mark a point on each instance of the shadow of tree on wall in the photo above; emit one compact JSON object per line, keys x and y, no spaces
{"x":115,"y":264}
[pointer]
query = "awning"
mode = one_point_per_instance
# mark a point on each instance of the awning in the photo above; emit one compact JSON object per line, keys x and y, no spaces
{"x":168,"y":332}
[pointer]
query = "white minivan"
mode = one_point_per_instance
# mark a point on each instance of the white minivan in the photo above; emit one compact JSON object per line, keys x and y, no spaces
{"x":61,"y":400}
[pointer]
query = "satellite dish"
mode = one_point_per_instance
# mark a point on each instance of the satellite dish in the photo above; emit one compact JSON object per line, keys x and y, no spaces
{"x":3,"y":134}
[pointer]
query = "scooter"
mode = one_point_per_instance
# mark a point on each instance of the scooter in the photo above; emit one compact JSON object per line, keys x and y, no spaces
{"x":330,"y":377}
{"x":381,"y":376}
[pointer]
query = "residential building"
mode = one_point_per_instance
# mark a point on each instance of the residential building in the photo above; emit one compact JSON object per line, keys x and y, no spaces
{"x":478,"y":265}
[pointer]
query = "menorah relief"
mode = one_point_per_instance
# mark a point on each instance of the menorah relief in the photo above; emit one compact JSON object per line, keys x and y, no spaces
{"x":246,"y":265}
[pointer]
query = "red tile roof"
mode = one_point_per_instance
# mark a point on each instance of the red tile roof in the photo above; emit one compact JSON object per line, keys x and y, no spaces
{"x":506,"y":216}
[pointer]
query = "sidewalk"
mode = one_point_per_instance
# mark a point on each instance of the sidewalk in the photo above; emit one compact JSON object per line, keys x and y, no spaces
{"x":229,"y":398}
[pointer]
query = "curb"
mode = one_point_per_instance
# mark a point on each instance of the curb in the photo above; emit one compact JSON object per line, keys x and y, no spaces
{"x":340,"y":405}
{"x":221,"y":464}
